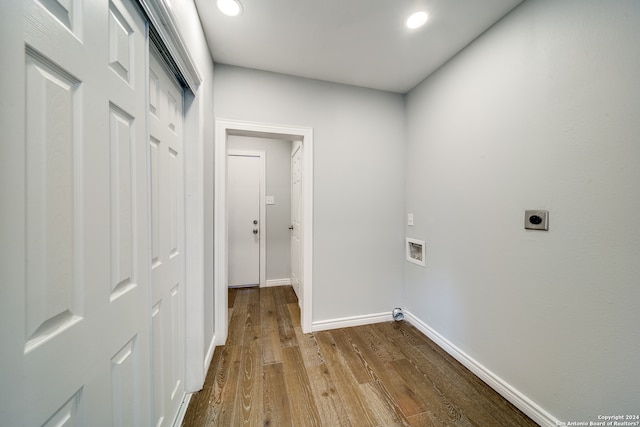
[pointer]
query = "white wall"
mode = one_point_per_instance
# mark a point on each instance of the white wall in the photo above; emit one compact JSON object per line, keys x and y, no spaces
{"x":541,"y":112}
{"x":278,"y":185}
{"x":199,"y":137}
{"x":358,"y":179}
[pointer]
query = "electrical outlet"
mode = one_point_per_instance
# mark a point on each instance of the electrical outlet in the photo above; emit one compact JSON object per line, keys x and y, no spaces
{"x":536,"y":220}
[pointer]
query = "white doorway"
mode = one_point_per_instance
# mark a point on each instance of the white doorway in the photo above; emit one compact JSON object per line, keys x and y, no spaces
{"x":245,"y":204}
{"x":224,"y":128}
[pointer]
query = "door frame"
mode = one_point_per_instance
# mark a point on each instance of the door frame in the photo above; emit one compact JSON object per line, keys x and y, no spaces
{"x":263,"y":214}
{"x":296,"y":146}
{"x":224,"y":128}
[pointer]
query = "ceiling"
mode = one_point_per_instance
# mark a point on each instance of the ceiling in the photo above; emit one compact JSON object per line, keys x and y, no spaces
{"x":356,"y":42}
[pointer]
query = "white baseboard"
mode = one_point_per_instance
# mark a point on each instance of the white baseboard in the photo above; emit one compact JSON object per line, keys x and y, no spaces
{"x":346,"y":322}
{"x":277,"y":282}
{"x":177,"y":422}
{"x":519,"y":400}
{"x":209,"y":356}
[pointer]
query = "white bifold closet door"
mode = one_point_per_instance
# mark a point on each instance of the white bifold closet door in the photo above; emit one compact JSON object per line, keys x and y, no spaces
{"x":167,"y":240}
{"x":92,"y":192}
{"x":85,"y":328}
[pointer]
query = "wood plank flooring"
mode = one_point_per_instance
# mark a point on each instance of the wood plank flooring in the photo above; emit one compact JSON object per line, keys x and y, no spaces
{"x":269,"y":373}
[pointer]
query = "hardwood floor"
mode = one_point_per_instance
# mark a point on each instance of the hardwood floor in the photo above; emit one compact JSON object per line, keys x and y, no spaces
{"x":269,"y":373}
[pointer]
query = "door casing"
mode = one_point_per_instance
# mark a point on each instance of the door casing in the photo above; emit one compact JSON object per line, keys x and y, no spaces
{"x":296,"y":216}
{"x":224,"y":128}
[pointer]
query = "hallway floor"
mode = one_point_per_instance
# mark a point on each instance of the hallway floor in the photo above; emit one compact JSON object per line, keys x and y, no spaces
{"x":269,"y":373}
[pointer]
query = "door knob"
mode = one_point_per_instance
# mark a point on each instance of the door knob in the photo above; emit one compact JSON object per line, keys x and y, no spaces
{"x":291,"y":227}
{"x":255,"y":231}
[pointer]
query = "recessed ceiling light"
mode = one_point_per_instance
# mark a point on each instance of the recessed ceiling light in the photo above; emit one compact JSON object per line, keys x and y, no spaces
{"x":416,"y":20}
{"x":230,"y":7}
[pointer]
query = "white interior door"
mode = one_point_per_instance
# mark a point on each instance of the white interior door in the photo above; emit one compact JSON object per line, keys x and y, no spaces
{"x":243,"y":186}
{"x":83,"y":287}
{"x":167,"y":241}
{"x":296,"y":218}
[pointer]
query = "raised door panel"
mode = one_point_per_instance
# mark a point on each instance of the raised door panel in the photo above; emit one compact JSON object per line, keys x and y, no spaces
{"x":121,"y":45}
{"x":154,"y":156}
{"x":176,"y":344}
{"x":125,"y":386}
{"x":123,"y":225}
{"x":69,"y":414}
{"x":158,"y":365}
{"x":67,"y":12}
{"x":174,"y":183}
{"x":53,"y":289}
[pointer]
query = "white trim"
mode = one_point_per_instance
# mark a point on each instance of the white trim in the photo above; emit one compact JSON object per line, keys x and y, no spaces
{"x":182,"y":410}
{"x":194,"y":306}
{"x":278,"y":282}
{"x":220,"y":235}
{"x":226,"y":127}
{"x":262,"y":262}
{"x":209,"y":357}
{"x":522,"y":402}
{"x":164,"y":23}
{"x":347,"y":322}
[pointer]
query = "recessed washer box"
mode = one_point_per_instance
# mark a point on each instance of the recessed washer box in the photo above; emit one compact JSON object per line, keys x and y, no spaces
{"x":536,"y":220}
{"x":415,"y":251}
